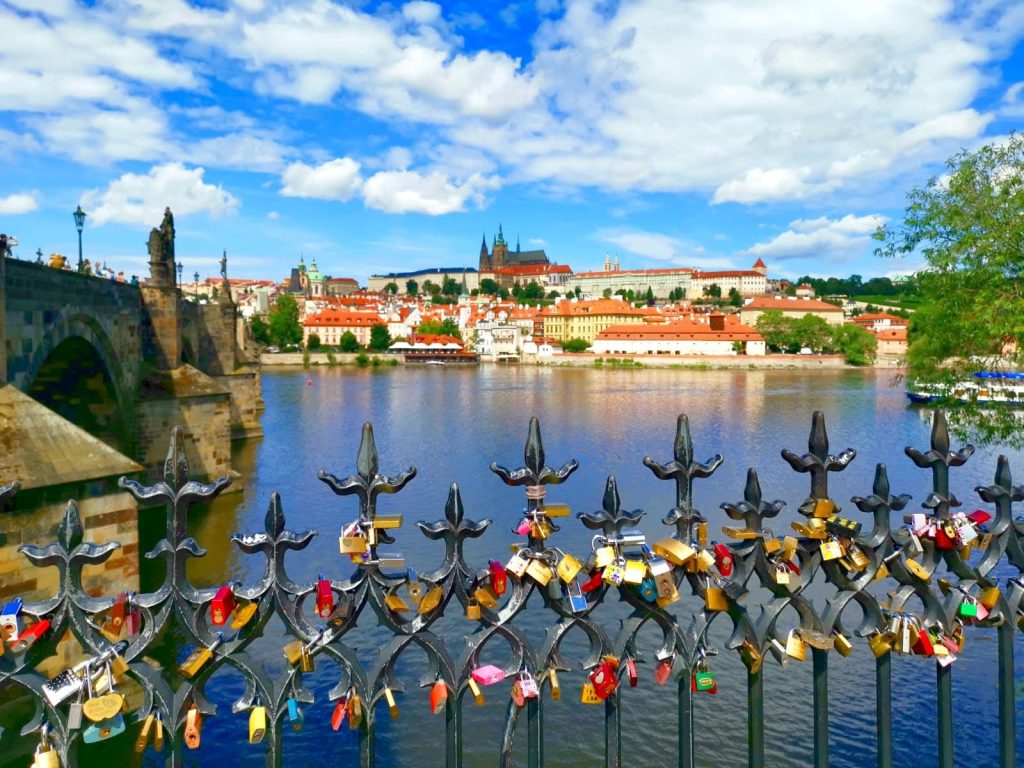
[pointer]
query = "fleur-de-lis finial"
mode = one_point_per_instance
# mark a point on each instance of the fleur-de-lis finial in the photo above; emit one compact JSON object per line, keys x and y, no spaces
{"x":880,"y":504}
{"x":536,"y":472}
{"x":455,"y":528}
{"x":818,"y":461}
{"x":611,"y":519}
{"x":940,"y":458}
{"x":753,"y":510}
{"x":683,"y":470}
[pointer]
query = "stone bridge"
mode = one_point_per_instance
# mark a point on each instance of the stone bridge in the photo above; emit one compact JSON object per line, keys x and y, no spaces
{"x":125,"y":363}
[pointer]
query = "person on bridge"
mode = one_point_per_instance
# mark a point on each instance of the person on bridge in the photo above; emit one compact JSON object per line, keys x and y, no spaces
{"x":5,"y":246}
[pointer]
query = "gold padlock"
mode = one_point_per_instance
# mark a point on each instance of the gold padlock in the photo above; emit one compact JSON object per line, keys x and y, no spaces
{"x":858,"y":559}
{"x":355,"y":710}
{"x":989,"y":597}
{"x":431,"y":599}
{"x":473,"y":609}
{"x":568,"y":568}
{"x":831,"y":550}
{"x":795,"y":647}
{"x":673,"y":550}
{"x":193,"y":727}
{"x":556,"y":510}
{"x":541,"y":528}
{"x":751,"y":656}
{"x":293,"y":651}
{"x":352,"y":545}
{"x":916,"y":569}
{"x":589,"y":695}
{"x":539,"y":571}
{"x":842,"y":644}
{"x":143,"y":738}
{"x":306,"y":663}
{"x":158,"y":737}
{"x":664,"y":601}
{"x":257,"y":724}
{"x":739,"y":533}
{"x":714,"y":599}
{"x":243,"y":615}
{"x":705,"y":560}
{"x":45,"y":757}
{"x":556,"y":689}
{"x":879,"y":645}
{"x":635,"y":571}
{"x":395,"y":603}
{"x":389,"y":697}
{"x":387,"y":521}
{"x":824,"y":508}
{"x":771,"y":545}
{"x":815,"y":639}
{"x":478,"y":695}
{"x":486,"y":597}
{"x":604,"y":556}
{"x":702,"y":534}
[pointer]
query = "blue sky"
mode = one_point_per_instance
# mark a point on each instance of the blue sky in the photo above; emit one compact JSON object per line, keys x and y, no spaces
{"x":378,"y":136}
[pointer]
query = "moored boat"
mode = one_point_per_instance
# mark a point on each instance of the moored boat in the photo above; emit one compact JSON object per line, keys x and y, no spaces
{"x":985,"y":387}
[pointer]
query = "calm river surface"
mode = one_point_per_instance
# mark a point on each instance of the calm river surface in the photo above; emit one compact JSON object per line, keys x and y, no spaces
{"x":452,"y":423}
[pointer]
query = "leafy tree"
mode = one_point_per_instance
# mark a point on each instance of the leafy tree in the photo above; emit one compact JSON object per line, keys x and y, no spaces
{"x":380,"y":339}
{"x":432,"y":288}
{"x":349,"y":342}
{"x":391,"y":288}
{"x":776,"y":329}
{"x":450,"y":287}
{"x":446,"y":327}
{"x":650,"y":296}
{"x":502,"y":293}
{"x":607,"y":293}
{"x":284,"y":321}
{"x":576,"y":291}
{"x":517,"y":291}
{"x":313,"y":341}
{"x":857,"y":345}
{"x":553,"y":294}
{"x":260,"y":331}
{"x":813,"y":332}
{"x":489,"y":286}
{"x":713,"y":291}
{"x":576,"y":345}
{"x":533,"y":291}
{"x":734,"y":298}
{"x":970,"y":315}
{"x":411,"y":287}
{"x":621,"y":292}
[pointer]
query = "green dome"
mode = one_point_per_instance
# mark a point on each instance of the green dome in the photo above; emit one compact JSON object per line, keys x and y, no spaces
{"x":313,"y":274}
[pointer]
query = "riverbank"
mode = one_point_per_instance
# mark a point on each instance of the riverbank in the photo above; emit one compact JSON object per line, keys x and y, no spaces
{"x":585,"y":360}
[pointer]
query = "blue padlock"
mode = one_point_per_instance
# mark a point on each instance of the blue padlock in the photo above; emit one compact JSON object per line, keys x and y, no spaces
{"x":10,"y":622}
{"x":104,"y":729}
{"x":295,"y":714}
{"x":648,"y":590}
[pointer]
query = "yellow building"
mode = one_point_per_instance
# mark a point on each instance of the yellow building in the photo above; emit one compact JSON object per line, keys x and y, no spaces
{"x":585,"y":319}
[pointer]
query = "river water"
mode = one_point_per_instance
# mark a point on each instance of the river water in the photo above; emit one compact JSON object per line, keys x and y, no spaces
{"x":451,"y":423}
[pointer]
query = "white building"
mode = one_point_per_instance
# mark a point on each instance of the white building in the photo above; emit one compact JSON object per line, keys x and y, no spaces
{"x":714,"y":334}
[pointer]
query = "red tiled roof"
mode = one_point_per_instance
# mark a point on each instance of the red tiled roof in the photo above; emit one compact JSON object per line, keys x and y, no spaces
{"x":890,"y":334}
{"x":567,"y":308}
{"x":535,"y":269}
{"x":335,"y":317}
{"x":639,"y":272}
{"x":790,"y":305}
{"x":728,"y":273}
{"x":760,"y":263}
{"x":683,"y":329}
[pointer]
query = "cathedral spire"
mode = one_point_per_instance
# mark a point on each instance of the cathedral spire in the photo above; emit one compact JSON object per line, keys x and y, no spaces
{"x":517,"y":244}
{"x":501,"y":236}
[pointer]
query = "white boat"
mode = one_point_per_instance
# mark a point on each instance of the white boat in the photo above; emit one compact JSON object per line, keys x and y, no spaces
{"x":985,"y":387}
{"x":434,"y":362}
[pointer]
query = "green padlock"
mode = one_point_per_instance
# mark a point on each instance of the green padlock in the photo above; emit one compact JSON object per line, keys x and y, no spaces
{"x":969,"y":609}
{"x":705,"y":681}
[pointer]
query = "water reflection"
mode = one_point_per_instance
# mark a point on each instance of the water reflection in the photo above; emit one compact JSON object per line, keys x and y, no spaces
{"x":452,"y":423}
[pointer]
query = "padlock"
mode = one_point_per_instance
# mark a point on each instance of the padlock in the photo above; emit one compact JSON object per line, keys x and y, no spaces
{"x":306,"y":661}
{"x":664,"y":670}
{"x":858,"y":559}
{"x":648,"y":590}
{"x":667,"y":600}
{"x":555,"y":688}
{"x":795,"y":647}
{"x":353,"y":545}
{"x":258,"y":724}
{"x":539,"y":571}
{"x":771,"y":544}
{"x":338,"y":715}
{"x":604,"y":556}
{"x":387,"y":522}
{"x":703,"y":680}
{"x":823,"y":508}
{"x":744,"y":534}
{"x":568,"y":568}
{"x":554,"y":589}
{"x":29,"y":636}
{"x":541,"y":528}
{"x":714,"y":599}
{"x":943,"y":541}
{"x":395,"y":603}
{"x":751,"y":656}
{"x":517,"y":564}
{"x":781,"y":574}
{"x":723,"y":560}
{"x":478,"y":695}
{"x":989,"y":597}
{"x":488,"y":674}
{"x":588,"y":695}
{"x":62,"y":687}
{"x":431,"y":599}
{"x":295,"y":716}
{"x":916,"y":569}
{"x":10,"y":620}
{"x":143,"y":737}
{"x":631,"y":674}
{"x":674,"y":551}
{"x":222,"y":605}
{"x":661,"y":573}
{"x":75,"y":713}
{"x":701,"y":535}
{"x":923,"y":644}
{"x":438,"y":697}
{"x":498,"y":577}
{"x":324,"y":597}
{"x":389,"y":697}
{"x":842,"y":526}
{"x":473,"y":609}
{"x":603,"y":679}
{"x":816,"y":639}
{"x":842,"y":644}
{"x":45,"y":757}
{"x":486,"y":597}
{"x":577,"y":600}
{"x":614,"y":573}
{"x":634,"y":571}
{"x":704,"y":560}
{"x":413,"y":587}
{"x":528,"y":685}
{"x":969,"y":608}
{"x":193,"y":727}
{"x":831,"y":550}
{"x":354,"y":708}
{"x":517,"y":694}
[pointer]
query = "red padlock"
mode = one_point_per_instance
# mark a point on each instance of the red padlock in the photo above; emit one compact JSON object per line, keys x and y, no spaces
{"x":979,"y":517}
{"x":223,"y":604}
{"x":631,"y":673}
{"x":923,"y":646}
{"x":438,"y":697}
{"x":663,"y":671}
{"x":499,"y":578}
{"x":596,"y":580}
{"x":30,"y":635}
{"x":942,"y":540}
{"x":723,"y":560}
{"x":324,"y":598}
{"x":604,"y":679}
{"x":338,"y":717}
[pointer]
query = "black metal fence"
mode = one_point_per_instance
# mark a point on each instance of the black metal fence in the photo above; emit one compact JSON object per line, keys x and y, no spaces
{"x":940,"y":560}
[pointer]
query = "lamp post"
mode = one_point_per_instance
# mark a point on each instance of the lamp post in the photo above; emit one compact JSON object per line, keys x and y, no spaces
{"x":79,"y":215}
{"x":179,"y":275}
{"x":195,"y":286}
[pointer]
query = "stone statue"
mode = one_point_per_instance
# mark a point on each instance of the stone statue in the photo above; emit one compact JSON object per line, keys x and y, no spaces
{"x":161,"y":251}
{"x":224,"y":264}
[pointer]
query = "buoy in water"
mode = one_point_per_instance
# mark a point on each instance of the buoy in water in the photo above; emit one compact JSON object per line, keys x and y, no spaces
{"x":309,"y":382}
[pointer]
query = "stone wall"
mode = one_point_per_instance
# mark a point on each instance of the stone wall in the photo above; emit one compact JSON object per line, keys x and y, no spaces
{"x":162,"y":327}
{"x":111,"y":516}
{"x":246,"y":401}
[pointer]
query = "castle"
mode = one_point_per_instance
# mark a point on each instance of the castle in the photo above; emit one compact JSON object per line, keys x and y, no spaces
{"x":501,"y":257}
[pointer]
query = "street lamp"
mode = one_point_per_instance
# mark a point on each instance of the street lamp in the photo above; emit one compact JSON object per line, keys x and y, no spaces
{"x":179,"y":275}
{"x":195,"y":286}
{"x":79,"y":215}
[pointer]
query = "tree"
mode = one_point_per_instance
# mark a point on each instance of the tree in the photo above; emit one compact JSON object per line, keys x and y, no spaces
{"x":714,"y":291}
{"x":489,"y":286}
{"x":777,"y":330}
{"x":857,"y":344}
{"x":446,"y":327}
{"x":650,"y":296}
{"x":411,"y":287}
{"x":432,"y":288}
{"x":284,"y":321}
{"x":380,"y":339}
{"x":553,"y":294}
{"x":576,"y":345}
{"x":391,"y":288}
{"x":813,"y":332}
{"x":607,"y":293}
{"x":260,"y":331}
{"x":313,"y":341}
{"x":576,"y":291}
{"x":533,"y":291}
{"x":349,"y":342}
{"x":450,"y":287}
{"x":734,"y":298}
{"x":970,"y":316}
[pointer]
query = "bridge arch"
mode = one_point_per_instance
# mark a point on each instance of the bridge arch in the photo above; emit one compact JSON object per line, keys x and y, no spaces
{"x":75,"y":371}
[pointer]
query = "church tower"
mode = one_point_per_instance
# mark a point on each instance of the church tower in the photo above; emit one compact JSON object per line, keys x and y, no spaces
{"x":500,"y":251}
{"x":485,"y":257}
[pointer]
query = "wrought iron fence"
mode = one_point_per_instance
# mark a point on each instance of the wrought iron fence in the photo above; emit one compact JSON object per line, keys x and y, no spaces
{"x":942,"y":558}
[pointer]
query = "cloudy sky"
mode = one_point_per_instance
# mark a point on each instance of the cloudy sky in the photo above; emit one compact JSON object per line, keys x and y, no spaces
{"x":378,"y":136}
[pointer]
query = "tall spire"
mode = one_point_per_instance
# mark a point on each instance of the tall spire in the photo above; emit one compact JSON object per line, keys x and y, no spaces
{"x":501,"y":235}
{"x":517,"y":243}
{"x":483,"y":243}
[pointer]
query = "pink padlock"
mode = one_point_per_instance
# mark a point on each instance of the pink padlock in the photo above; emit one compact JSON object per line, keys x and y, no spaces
{"x":524,"y":527}
{"x":488,"y":674}
{"x":982,"y":613}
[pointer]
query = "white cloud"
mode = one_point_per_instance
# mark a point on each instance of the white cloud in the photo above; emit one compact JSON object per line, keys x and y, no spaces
{"x":141,"y":199}
{"x":422,"y":12}
{"x":433,"y":194}
{"x":273,"y":215}
{"x":758,"y":185}
{"x":539,"y":242}
{"x":651,"y":245}
{"x":334,"y":180}
{"x":822,"y":239}
{"x":244,"y":151}
{"x":23,"y":202}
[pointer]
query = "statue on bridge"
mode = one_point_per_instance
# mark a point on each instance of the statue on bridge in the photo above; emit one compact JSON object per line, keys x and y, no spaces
{"x":161,"y":251}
